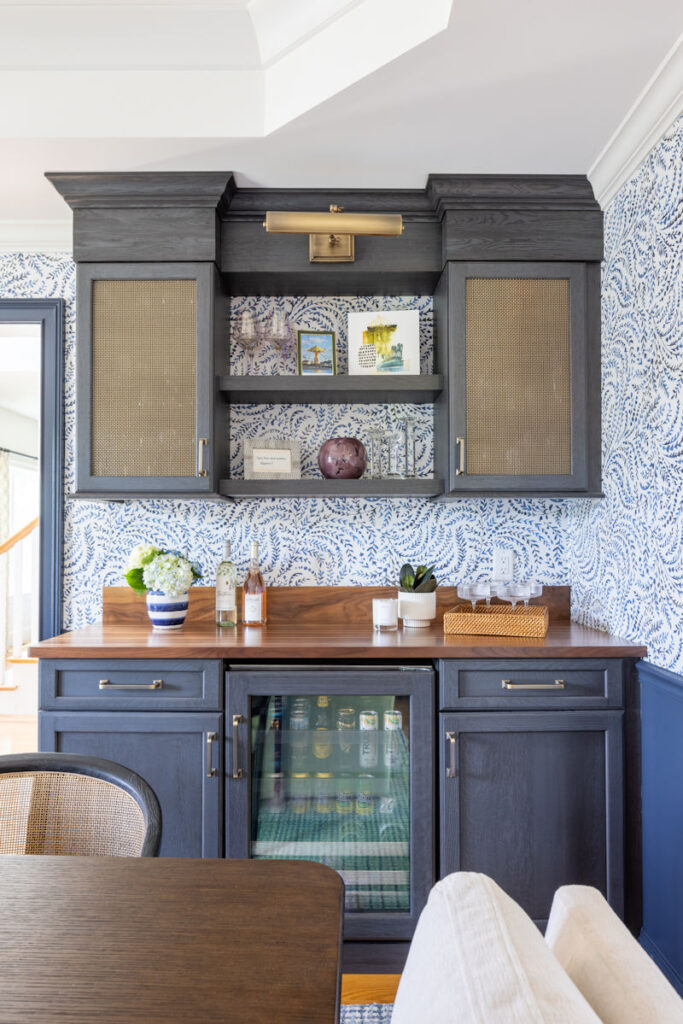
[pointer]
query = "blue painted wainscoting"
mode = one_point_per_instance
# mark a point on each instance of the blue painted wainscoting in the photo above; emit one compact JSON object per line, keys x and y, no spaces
{"x":661,"y":694}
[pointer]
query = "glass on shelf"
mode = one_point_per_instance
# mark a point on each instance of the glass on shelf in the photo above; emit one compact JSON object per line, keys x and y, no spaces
{"x":374,"y":468}
{"x":394,"y":443}
{"x":280,"y":337}
{"x":330,"y":781}
{"x":248,"y":337}
{"x":515,"y":592}
{"x":475,"y":592}
{"x":409,"y":460}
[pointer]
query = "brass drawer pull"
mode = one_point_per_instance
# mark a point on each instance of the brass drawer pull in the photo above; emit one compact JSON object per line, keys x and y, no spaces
{"x":201,"y":471}
{"x":211,"y":772}
{"x":237,"y":772}
{"x":450,"y":771}
{"x":155,"y":685}
{"x":460,"y":441}
{"x":557,"y":685}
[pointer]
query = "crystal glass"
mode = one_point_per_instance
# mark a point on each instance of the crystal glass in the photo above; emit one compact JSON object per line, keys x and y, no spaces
{"x":409,"y":424}
{"x":394,"y":443}
{"x":374,"y":467}
{"x":475,"y":592}
{"x":248,"y":337}
{"x":280,"y":337}
{"x":518,"y":592}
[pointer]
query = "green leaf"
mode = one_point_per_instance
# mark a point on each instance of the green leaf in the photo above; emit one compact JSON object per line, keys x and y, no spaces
{"x":135,"y":582}
{"x":427,"y":586}
{"x":407,"y":576}
{"x":423,"y":574}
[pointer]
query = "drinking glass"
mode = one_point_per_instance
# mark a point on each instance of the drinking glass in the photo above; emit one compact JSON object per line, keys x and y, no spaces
{"x":394,"y":443}
{"x":374,"y":470}
{"x":409,"y":423}
{"x":519,"y":592}
{"x":475,"y":592}
{"x":280,"y":337}
{"x":385,"y":614}
{"x":247,"y":336}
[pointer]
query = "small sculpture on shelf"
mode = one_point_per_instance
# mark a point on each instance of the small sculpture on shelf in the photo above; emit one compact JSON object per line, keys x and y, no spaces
{"x":342,"y":458}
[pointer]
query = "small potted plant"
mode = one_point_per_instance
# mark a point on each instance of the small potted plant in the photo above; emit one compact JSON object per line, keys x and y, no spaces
{"x":165,"y":577}
{"x":417,"y":595}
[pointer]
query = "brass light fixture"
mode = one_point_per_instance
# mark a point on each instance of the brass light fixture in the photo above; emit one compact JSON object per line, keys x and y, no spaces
{"x":332,"y":235}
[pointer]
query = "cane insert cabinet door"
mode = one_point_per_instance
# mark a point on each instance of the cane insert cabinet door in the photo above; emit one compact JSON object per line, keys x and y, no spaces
{"x":178,"y":754}
{"x":335,"y":765}
{"x":534,"y":799}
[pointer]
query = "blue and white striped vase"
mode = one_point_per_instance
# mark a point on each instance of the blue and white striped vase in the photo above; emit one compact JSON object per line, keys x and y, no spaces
{"x":166,"y":612}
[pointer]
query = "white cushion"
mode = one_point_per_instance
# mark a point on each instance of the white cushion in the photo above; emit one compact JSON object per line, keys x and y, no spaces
{"x":476,"y":958}
{"x":605,"y":962}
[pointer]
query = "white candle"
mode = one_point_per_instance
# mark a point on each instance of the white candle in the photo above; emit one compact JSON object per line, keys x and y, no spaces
{"x":385,"y":613}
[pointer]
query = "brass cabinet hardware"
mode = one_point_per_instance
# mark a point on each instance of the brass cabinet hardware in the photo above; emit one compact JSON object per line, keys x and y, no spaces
{"x":460,"y":441}
{"x":237,"y":772}
{"x":201,"y":471}
{"x":155,"y":685}
{"x":507,"y":685}
{"x":450,"y":771}
{"x":211,"y":772}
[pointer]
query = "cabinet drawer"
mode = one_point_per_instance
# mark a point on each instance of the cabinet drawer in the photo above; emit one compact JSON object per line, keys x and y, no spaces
{"x":131,"y":685}
{"x":530,"y":683}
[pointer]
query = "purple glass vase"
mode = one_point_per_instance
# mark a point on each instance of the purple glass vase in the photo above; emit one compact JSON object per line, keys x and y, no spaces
{"x":342,"y":458}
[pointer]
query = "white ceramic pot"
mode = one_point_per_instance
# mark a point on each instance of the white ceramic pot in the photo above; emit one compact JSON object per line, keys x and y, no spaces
{"x":166,"y":612}
{"x":416,"y":610}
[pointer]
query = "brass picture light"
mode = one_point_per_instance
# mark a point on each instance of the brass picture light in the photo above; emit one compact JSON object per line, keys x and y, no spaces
{"x":332,"y":235}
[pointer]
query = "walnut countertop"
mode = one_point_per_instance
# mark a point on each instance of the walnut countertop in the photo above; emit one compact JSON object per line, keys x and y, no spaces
{"x":318,"y":623}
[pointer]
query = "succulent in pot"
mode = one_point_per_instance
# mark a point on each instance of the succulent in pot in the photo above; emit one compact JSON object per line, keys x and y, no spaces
{"x":417,"y":595}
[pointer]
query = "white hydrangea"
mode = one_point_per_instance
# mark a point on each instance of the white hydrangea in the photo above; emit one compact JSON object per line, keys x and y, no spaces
{"x":141,"y":555}
{"x":170,"y":574}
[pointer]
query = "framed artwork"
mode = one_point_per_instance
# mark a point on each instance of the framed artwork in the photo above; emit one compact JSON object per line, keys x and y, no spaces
{"x":316,"y":353}
{"x":265,"y":459}
{"x":387,"y":341}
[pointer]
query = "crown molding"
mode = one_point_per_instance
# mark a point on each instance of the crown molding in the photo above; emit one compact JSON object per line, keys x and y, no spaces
{"x":654,"y":111}
{"x":35,"y":236}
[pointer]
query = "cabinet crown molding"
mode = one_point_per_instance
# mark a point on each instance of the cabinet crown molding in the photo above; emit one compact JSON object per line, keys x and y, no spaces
{"x":510,"y":191}
{"x":212,"y":189}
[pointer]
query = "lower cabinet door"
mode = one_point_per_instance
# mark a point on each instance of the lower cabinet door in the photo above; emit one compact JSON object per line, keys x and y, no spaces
{"x":179,"y":755}
{"x":535,"y":801}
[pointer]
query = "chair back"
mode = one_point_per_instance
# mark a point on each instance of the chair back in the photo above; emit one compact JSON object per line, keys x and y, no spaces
{"x":72,"y":805}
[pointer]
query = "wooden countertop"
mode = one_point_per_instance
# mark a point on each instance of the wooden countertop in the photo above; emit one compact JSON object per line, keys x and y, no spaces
{"x":317,"y":623}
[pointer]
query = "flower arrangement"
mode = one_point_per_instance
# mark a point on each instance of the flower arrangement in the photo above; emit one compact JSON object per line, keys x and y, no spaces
{"x":151,"y":568}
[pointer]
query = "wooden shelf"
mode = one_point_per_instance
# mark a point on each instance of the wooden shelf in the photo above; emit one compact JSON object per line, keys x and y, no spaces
{"x":290,"y":389}
{"x":415,"y":488}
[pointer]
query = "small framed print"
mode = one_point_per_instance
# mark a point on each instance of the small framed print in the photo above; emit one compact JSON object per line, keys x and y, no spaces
{"x":316,"y":353}
{"x":384,"y":342}
{"x":265,"y":459}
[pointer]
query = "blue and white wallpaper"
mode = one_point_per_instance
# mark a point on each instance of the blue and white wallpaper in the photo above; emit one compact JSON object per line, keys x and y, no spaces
{"x":306,"y":540}
{"x":626,"y":550}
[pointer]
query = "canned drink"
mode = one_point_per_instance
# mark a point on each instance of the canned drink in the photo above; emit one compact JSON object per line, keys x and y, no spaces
{"x":346,"y":796}
{"x":299,"y":724}
{"x":365,"y":799}
{"x":322,"y":803}
{"x":322,"y":726}
{"x":299,"y":792}
{"x":368,"y":723}
{"x":393,"y":725}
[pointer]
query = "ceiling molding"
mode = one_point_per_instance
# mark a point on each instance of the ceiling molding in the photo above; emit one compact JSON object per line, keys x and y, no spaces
{"x":43,"y":236}
{"x":655,"y":110}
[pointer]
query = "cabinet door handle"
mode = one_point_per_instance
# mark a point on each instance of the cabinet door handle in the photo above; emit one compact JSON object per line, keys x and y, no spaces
{"x":460,"y":441}
{"x":156,"y":684}
{"x":211,"y":772}
{"x":201,"y":471}
{"x":237,"y":772}
{"x":450,"y":771}
{"x":507,"y":685}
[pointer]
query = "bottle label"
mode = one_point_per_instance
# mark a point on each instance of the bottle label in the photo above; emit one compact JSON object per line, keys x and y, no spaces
{"x":225,"y":595}
{"x":253,"y":608}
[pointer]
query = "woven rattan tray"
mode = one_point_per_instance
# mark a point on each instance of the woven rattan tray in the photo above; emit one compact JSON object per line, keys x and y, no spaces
{"x":497,"y":620}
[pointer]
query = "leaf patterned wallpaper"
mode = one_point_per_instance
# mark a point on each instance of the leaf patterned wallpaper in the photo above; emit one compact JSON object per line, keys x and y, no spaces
{"x":625,"y":551}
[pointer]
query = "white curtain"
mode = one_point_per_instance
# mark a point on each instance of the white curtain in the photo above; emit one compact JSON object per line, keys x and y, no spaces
{"x":4,"y":496}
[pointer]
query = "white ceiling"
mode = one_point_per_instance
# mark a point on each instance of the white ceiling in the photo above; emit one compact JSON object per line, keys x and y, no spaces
{"x":20,"y":369}
{"x":354,"y":93}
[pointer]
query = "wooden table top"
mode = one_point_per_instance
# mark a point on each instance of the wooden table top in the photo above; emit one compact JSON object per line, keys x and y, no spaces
{"x":140,"y":941}
{"x":289,"y":641}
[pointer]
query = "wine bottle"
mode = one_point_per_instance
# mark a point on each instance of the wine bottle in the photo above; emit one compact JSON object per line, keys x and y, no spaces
{"x":254,"y":593}
{"x":226,"y":590}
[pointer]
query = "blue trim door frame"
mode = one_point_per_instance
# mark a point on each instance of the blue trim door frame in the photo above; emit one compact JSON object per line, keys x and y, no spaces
{"x":49,"y":314}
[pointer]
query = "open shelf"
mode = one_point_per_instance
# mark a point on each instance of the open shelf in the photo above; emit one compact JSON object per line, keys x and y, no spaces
{"x":416,"y":487}
{"x":291,"y":389}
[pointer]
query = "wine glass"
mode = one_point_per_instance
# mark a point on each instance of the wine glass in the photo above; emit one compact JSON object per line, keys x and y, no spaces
{"x":280,"y":337}
{"x":247,"y":337}
{"x":474,"y":592}
{"x":519,"y":592}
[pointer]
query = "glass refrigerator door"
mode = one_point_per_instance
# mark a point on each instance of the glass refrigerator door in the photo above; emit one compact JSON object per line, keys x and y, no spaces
{"x":330,"y":782}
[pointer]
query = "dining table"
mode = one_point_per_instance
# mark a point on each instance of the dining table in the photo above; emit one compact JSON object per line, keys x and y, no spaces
{"x":124,"y":940}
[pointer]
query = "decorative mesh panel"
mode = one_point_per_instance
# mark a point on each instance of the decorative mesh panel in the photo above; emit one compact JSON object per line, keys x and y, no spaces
{"x":68,"y":815}
{"x":144,"y":337}
{"x":518,"y":376}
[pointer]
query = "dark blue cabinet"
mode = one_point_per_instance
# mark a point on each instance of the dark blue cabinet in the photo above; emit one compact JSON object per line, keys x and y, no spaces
{"x":178,"y":754}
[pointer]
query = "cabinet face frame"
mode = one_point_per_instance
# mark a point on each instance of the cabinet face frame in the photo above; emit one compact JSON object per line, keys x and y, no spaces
{"x":413,"y":682}
{"x":610,"y":723}
{"x":451,"y":355}
{"x":52,"y":723}
{"x":204,"y":274}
